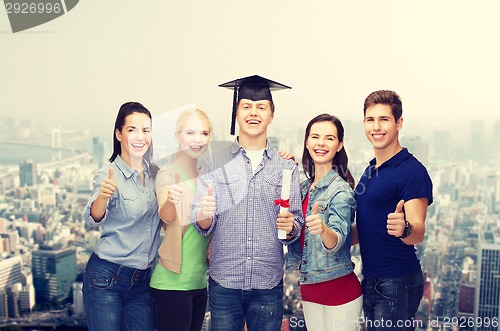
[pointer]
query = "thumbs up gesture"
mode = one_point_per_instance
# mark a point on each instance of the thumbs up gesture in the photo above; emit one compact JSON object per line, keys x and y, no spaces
{"x":175,"y":191}
{"x":396,"y":220}
{"x":314,"y":222}
{"x":208,"y":203}
{"x":108,"y":186}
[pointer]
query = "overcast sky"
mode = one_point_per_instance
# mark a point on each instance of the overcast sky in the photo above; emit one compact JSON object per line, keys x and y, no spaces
{"x":442,"y":57}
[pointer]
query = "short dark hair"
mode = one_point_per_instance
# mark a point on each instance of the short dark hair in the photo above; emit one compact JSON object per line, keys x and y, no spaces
{"x":385,"y":97}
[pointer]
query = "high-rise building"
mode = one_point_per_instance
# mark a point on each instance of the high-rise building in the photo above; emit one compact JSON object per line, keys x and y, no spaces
{"x":487,"y":297}
{"x":477,"y":141}
{"x":54,"y":271}
{"x":13,"y":300}
{"x":4,"y":307}
{"x":496,"y":138}
{"x":97,"y":151}
{"x":78,"y":308}
{"x":10,"y":272}
{"x":442,"y":145}
{"x":27,"y":298}
{"x":8,"y":241}
{"x":28,"y":173}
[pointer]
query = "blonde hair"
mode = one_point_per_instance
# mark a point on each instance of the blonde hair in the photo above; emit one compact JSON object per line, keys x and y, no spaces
{"x":185,"y":115}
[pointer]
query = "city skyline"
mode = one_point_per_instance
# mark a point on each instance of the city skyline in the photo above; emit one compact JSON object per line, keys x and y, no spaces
{"x":77,"y":70}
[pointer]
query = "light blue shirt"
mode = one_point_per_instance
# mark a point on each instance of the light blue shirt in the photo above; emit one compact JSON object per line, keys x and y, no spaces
{"x":131,"y":225}
{"x":245,"y":250}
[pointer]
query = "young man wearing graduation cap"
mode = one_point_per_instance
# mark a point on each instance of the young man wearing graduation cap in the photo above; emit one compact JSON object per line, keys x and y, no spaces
{"x":238,"y":201}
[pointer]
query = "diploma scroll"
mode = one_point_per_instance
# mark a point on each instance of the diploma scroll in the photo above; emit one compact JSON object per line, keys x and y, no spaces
{"x":285,"y":196}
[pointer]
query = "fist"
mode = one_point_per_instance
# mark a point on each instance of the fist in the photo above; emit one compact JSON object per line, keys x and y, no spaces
{"x":314,"y":222}
{"x":174,"y":194}
{"x":108,"y":186}
{"x":208,"y":205}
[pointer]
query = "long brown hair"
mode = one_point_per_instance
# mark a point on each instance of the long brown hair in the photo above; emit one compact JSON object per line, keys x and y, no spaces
{"x":339,"y":162}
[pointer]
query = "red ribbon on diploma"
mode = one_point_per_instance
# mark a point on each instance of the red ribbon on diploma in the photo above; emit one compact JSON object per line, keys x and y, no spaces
{"x":282,"y":203}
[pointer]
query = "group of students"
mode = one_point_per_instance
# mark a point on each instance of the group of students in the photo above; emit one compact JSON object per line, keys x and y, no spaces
{"x":225,"y":214}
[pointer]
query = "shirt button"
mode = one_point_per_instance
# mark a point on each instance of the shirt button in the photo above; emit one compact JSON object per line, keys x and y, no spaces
{"x":248,"y":258}
{"x":369,"y":177}
{"x":249,"y":238}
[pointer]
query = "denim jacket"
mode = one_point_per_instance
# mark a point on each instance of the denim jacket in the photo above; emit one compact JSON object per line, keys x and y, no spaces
{"x":336,"y":208}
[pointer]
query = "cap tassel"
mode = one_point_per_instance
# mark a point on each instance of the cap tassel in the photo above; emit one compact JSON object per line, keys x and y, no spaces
{"x":233,"y":115}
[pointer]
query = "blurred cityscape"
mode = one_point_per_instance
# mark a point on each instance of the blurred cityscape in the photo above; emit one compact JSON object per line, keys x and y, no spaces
{"x":46,"y":177}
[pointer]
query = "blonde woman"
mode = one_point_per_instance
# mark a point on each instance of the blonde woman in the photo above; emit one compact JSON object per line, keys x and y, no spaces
{"x":179,"y":281}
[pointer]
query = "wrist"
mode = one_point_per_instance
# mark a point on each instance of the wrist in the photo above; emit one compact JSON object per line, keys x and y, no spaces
{"x":293,"y":232}
{"x":406,"y":230}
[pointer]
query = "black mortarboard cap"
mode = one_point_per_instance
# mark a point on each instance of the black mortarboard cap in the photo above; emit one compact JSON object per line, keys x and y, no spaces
{"x":253,"y":88}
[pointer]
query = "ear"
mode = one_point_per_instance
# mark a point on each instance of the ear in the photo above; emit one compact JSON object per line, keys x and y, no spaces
{"x":399,"y":123}
{"x":341,"y":144}
{"x":176,"y":137}
{"x":118,"y":135}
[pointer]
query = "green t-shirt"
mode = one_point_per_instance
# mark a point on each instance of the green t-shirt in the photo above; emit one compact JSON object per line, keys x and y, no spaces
{"x":193,"y":274}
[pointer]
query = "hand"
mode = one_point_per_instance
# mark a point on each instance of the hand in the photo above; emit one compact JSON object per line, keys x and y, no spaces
{"x":396,"y":221}
{"x":108,"y":186}
{"x":174,"y":194}
{"x":285,"y":221}
{"x":314,"y":222}
{"x":288,"y":156}
{"x":208,"y":205}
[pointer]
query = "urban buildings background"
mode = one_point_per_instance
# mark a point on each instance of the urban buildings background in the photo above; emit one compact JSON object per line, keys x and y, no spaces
{"x":45,"y":181}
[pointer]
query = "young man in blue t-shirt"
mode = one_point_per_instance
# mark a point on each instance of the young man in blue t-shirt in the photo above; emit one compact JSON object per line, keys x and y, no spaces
{"x":392,"y":198}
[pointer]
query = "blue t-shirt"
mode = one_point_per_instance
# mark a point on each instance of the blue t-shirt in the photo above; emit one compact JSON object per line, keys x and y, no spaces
{"x":378,"y":192}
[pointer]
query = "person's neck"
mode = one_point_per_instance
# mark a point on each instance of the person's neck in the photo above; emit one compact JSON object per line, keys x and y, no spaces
{"x":252,"y":143}
{"x":320,"y":172}
{"x":384,"y":154}
{"x":187,"y":164}
{"x":133,"y":163}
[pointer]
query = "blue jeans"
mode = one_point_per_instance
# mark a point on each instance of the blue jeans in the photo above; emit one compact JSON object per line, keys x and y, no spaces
{"x":231,"y":308}
{"x":391,"y":303}
{"x":116,"y":297}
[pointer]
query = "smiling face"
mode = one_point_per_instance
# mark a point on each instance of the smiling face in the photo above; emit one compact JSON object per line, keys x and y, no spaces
{"x":381,"y":128}
{"x":193,"y":136}
{"x":134,"y":137}
{"x":253,"y":117}
{"x":323,"y":144}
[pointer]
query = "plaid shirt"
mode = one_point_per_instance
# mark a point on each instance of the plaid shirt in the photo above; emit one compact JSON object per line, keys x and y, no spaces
{"x":245,"y":250}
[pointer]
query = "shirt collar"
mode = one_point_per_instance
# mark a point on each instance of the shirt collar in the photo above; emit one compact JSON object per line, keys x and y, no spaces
{"x":394,"y":161}
{"x":236,"y":147}
{"x":327,"y":179}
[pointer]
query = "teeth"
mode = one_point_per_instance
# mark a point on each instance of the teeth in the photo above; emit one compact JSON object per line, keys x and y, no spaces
{"x":378,"y":136}
{"x":138,"y":145}
{"x":253,"y":122}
